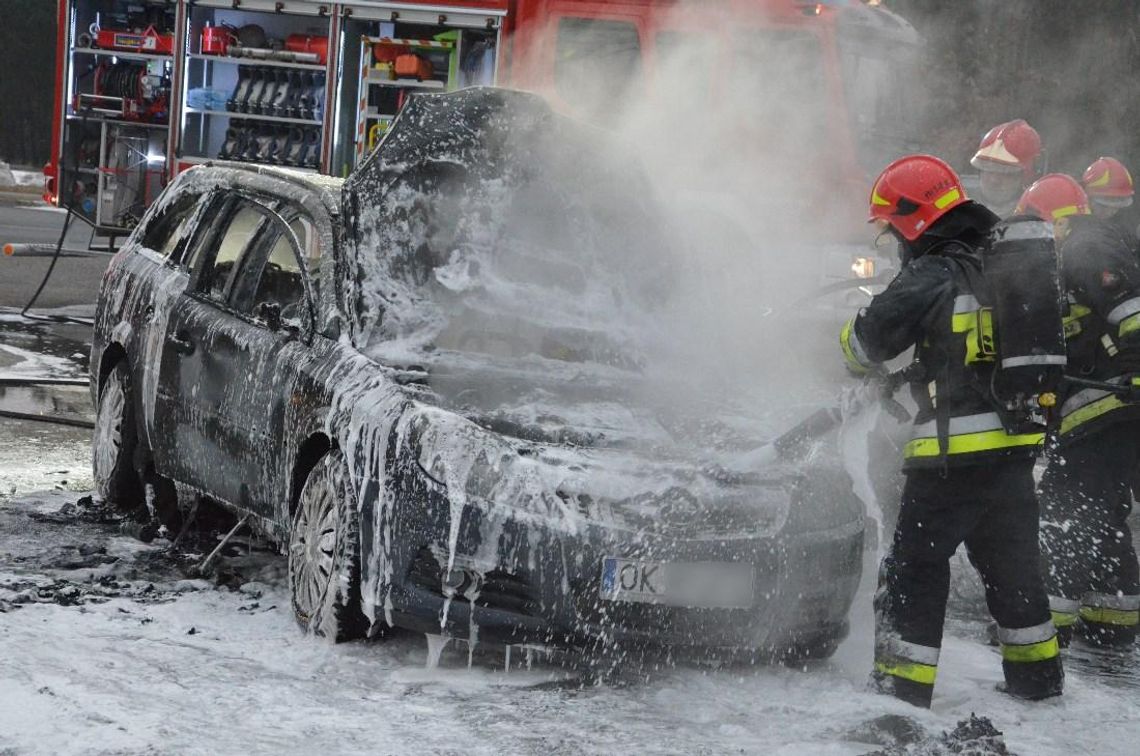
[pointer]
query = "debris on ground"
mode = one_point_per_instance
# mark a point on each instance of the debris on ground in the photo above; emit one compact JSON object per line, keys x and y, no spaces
{"x":975,"y":736}
{"x":888,"y":730}
{"x":74,"y":553}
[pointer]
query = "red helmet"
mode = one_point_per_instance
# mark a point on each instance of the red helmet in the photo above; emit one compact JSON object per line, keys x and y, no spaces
{"x":1053,"y":196}
{"x":1108,"y":181}
{"x":1011,"y":146}
{"x":913,"y":192}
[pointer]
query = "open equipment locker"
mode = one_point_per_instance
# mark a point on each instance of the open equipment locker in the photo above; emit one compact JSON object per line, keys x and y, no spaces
{"x":148,"y":88}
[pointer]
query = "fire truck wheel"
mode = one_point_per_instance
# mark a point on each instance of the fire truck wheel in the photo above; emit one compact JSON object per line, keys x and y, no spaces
{"x":114,"y":442}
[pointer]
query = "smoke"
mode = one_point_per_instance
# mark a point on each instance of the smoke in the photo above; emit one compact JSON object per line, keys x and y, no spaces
{"x":728,"y":186}
{"x":1068,"y":69}
{"x":759,"y":148}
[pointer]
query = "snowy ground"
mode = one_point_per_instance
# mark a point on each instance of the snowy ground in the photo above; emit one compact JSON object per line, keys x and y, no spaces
{"x":108,"y":645}
{"x":110,"y":648}
{"x":10,"y":177}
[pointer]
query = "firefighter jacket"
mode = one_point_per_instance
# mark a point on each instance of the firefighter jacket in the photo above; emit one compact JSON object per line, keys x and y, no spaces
{"x":935,"y":304}
{"x":1101,"y":275}
{"x":1127,"y":222}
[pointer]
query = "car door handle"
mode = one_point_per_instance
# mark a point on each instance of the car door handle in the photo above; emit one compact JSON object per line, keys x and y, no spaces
{"x":181,"y":343}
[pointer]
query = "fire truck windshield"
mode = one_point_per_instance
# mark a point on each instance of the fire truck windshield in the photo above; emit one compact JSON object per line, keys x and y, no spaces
{"x":880,"y":75}
{"x":778,"y":89}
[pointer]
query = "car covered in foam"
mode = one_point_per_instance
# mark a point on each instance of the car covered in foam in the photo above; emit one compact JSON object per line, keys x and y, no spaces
{"x":450,"y":387}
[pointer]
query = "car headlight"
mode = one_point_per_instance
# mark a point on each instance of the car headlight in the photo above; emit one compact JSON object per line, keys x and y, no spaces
{"x":474,"y":465}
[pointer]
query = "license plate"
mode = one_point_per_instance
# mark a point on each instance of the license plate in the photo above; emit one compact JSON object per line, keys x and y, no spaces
{"x":708,"y":585}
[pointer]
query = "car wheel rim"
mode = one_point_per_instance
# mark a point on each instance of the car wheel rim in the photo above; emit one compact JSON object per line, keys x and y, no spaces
{"x":312,"y":553}
{"x":109,"y":433}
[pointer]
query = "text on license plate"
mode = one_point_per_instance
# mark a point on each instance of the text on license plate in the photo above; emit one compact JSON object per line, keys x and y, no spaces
{"x":722,"y":585}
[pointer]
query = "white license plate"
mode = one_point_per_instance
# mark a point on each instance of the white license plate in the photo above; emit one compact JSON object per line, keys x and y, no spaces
{"x":707,"y":585}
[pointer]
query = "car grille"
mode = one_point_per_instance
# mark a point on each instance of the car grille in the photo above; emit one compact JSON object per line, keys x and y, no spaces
{"x":825,"y":561}
{"x":670,"y":620}
{"x":497,"y":589}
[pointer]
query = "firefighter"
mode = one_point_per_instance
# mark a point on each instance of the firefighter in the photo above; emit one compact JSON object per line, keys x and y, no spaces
{"x":967,"y":478}
{"x":1091,"y":567}
{"x":1108,"y":185}
{"x":1007,"y":163}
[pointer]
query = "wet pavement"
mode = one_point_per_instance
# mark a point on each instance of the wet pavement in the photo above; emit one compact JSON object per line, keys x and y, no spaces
{"x":36,"y":455}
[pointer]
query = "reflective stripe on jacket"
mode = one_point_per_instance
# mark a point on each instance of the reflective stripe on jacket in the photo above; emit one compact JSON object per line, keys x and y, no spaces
{"x":969,"y":434}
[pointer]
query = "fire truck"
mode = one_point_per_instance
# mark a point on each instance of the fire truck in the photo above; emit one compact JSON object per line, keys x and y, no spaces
{"x":147,"y":88}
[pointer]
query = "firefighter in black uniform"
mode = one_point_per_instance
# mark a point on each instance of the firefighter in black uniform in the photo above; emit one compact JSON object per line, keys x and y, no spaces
{"x":1108,"y":185}
{"x":967,"y":478}
{"x":1091,"y":567}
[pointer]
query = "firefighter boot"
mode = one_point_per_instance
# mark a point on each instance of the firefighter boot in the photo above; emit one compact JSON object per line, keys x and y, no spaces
{"x":1109,"y":620}
{"x":1031,"y":661}
{"x":1033,"y":681}
{"x":913,"y":692}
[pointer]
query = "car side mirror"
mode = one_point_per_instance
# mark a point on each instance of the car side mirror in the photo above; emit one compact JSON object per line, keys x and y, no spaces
{"x":269,"y":313}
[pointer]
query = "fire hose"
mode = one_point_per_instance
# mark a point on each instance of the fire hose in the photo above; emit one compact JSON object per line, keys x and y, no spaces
{"x":1129,"y":390}
{"x":75,"y":422}
{"x":791,"y":442}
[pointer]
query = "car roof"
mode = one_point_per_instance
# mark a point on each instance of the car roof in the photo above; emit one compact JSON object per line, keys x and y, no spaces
{"x":327,"y":188}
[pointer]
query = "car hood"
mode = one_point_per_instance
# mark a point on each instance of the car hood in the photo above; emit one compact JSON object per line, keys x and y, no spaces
{"x":571,"y":446}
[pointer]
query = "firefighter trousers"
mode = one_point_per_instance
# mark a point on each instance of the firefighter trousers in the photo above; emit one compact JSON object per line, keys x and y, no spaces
{"x":993,"y":509}
{"x":1090,"y":561}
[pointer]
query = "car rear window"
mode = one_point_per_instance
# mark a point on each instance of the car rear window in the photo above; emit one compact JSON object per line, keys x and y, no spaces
{"x":169,"y":230}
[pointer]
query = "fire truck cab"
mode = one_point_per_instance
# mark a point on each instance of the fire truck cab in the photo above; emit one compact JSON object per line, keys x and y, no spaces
{"x":147,"y":88}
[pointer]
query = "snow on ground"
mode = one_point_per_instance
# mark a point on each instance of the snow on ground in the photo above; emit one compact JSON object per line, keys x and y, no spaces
{"x":15,"y":177}
{"x":110,"y":648}
{"x":28,"y":178}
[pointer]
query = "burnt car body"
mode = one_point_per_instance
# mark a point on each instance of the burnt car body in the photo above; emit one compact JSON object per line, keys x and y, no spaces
{"x":360,"y":368}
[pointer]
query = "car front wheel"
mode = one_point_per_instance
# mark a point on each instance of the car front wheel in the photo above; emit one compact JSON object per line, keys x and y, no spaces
{"x":324,"y":553}
{"x":114,"y":442}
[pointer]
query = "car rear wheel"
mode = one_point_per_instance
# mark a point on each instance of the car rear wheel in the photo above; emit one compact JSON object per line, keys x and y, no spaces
{"x":114,"y":442}
{"x":324,"y":553}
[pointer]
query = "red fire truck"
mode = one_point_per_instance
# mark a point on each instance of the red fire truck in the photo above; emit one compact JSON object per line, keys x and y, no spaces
{"x":146,"y":88}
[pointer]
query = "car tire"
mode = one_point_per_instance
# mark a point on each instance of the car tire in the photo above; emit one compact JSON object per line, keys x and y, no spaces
{"x":114,"y":442}
{"x":816,"y":649}
{"x":324,"y":553}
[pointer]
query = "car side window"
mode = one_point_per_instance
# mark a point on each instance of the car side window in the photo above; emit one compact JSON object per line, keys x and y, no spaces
{"x":169,"y":231}
{"x":244,"y":221}
{"x":279,"y":285}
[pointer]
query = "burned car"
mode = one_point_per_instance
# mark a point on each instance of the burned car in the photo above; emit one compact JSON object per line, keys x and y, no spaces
{"x":445,"y":387}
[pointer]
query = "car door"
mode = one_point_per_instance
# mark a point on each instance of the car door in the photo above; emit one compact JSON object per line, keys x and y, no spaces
{"x":250,"y":302}
{"x":274,"y":298}
{"x":198,"y":366}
